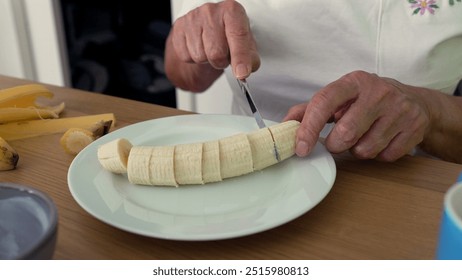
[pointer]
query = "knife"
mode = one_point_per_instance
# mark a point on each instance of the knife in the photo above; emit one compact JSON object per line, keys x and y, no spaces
{"x":256,"y":114}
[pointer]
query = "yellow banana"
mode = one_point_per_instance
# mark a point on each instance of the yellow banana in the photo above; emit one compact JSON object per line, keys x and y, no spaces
{"x":8,"y":156}
{"x":200,"y":163}
{"x":23,"y":96}
{"x":26,"y":129}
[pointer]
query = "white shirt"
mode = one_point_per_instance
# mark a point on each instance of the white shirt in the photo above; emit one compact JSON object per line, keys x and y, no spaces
{"x":306,"y":44}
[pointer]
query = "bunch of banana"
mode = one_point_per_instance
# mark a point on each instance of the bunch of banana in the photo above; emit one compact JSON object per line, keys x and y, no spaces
{"x":8,"y":156}
{"x":199,"y":163}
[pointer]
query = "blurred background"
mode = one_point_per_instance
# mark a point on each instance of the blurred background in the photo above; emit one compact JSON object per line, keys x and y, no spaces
{"x":113,"y":47}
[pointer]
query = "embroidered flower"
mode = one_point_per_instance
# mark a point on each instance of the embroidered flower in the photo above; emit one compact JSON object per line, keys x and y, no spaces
{"x":422,"y":6}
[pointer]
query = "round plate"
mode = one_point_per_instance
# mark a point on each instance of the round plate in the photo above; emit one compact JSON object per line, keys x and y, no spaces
{"x":234,"y":207}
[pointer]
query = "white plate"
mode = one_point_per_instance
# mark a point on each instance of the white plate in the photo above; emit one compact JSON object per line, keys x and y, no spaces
{"x":234,"y":207}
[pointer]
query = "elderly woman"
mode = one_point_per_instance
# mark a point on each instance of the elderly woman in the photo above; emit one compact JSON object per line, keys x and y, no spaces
{"x":384,"y":72}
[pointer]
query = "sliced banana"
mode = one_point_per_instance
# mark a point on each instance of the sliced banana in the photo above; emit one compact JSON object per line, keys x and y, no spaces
{"x":138,"y":168}
{"x":161,"y":166}
{"x":188,"y":164}
{"x":235,"y":156}
{"x":75,"y":140}
{"x":284,"y":138}
{"x":262,"y":146}
{"x":113,"y":155}
{"x":211,"y":162}
{"x":199,"y":163}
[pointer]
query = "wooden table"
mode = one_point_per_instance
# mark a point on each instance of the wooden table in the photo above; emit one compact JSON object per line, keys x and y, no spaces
{"x":374,"y":210}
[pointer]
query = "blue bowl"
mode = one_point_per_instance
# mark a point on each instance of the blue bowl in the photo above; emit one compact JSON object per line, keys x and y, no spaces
{"x":28,"y":223}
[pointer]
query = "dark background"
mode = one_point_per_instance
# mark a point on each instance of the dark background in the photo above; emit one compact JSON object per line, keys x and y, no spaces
{"x":116,"y":47}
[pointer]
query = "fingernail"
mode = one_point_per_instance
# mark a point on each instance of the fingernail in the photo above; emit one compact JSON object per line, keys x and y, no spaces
{"x":241,"y":71}
{"x":302,"y":149}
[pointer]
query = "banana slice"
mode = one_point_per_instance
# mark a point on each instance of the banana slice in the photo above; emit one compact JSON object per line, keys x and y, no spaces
{"x":262,"y":146}
{"x":200,"y":163}
{"x":235,"y":156}
{"x":161,"y":166}
{"x":284,"y":138}
{"x":211,"y":162}
{"x":113,"y":155}
{"x":138,"y":168}
{"x":188,"y":164}
{"x":76,"y":139}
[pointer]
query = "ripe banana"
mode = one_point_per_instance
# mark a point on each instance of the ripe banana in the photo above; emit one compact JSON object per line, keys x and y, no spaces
{"x":76,"y":138}
{"x":113,"y":155}
{"x":199,"y":163}
{"x":188,"y":164}
{"x":211,"y":162}
{"x":8,"y":156}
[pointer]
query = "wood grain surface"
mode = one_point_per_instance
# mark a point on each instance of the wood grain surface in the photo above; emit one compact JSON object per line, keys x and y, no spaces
{"x":374,"y":210}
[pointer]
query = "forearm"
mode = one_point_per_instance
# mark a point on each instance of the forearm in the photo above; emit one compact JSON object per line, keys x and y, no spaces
{"x":188,"y":76}
{"x":444,"y":137}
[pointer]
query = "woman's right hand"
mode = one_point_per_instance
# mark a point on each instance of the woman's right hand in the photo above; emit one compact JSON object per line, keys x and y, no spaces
{"x":218,"y":35}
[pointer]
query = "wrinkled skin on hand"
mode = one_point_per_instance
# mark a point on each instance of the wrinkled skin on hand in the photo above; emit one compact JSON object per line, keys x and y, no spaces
{"x":375,"y":118}
{"x":215,"y":35}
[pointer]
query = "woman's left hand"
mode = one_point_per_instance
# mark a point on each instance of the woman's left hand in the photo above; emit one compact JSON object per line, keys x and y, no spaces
{"x":375,"y":117}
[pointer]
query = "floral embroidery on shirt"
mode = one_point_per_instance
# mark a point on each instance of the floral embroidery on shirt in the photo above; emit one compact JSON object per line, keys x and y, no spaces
{"x":423,"y":6}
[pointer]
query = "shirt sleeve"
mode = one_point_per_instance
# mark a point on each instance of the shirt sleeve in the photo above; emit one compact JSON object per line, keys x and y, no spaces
{"x":182,"y":7}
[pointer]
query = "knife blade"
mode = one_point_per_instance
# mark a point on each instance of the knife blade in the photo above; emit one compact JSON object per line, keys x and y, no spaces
{"x":256,"y":114}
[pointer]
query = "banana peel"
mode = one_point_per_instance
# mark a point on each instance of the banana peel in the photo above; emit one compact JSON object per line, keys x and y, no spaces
{"x":34,"y":128}
{"x":15,"y":114}
{"x":8,"y":156}
{"x":21,"y":116}
{"x":23,"y":96}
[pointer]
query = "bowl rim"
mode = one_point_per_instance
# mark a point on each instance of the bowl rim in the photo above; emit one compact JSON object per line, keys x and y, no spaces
{"x":51,"y":230}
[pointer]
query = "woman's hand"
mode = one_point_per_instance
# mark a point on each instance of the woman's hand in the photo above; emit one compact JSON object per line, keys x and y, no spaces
{"x":374,"y":117}
{"x":211,"y":37}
